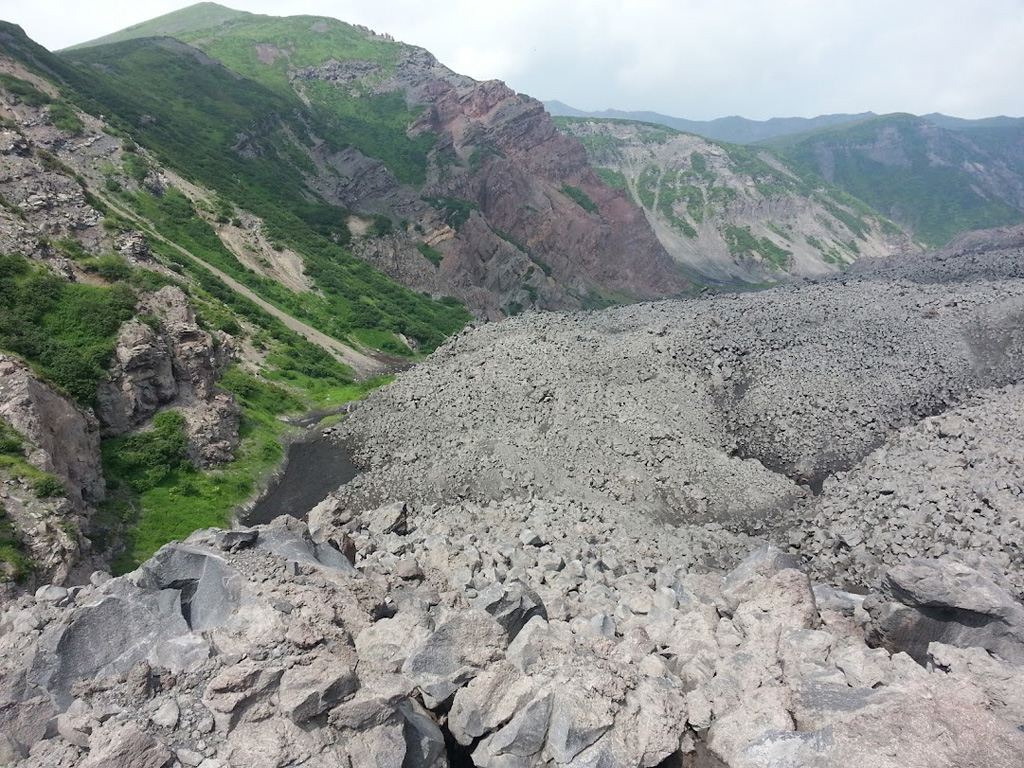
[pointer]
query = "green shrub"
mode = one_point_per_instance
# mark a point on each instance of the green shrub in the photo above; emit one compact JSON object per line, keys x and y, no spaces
{"x":580,"y":198}
{"x":136,"y":167}
{"x":72,"y":248}
{"x":112,"y":267}
{"x":11,"y":442}
{"x":66,"y":330}
{"x":66,"y":119}
{"x":12,"y":551}
{"x":144,"y":459}
{"x":47,"y":487}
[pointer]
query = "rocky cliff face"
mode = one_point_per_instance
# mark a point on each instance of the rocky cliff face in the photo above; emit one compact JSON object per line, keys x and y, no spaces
{"x":60,"y":439}
{"x":523,"y":240}
{"x":525,"y":168}
{"x":172,"y":363}
{"x":65,"y":438}
{"x":732,"y":214}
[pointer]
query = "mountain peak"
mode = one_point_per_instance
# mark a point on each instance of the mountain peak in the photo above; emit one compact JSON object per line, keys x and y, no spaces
{"x":189,"y":19}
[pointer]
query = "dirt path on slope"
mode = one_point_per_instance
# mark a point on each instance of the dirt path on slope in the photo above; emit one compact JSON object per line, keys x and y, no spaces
{"x":363,"y":365}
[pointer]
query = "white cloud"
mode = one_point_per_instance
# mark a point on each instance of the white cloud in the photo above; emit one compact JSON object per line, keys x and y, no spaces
{"x":691,"y":58}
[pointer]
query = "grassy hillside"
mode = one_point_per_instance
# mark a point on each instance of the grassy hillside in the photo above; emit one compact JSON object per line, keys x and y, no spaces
{"x":184,"y":20}
{"x":194,"y":114}
{"x":169,"y":106}
{"x":934,"y":181}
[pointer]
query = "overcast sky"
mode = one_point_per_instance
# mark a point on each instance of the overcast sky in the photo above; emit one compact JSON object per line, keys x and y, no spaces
{"x":697,"y":59}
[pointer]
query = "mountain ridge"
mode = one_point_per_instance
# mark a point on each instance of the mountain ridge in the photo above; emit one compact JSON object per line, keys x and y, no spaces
{"x":741,"y":130}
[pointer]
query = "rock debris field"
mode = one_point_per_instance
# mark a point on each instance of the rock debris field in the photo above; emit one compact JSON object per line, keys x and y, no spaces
{"x":769,"y":530}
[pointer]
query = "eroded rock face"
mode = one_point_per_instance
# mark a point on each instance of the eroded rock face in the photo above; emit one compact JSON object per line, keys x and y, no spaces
{"x":61,"y":439}
{"x":171,"y":363}
{"x":526,"y":242}
{"x":65,"y":439}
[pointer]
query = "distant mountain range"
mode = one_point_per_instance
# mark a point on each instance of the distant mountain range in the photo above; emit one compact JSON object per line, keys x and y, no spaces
{"x":740,"y":130}
{"x":934,"y":175}
{"x":737,"y":130}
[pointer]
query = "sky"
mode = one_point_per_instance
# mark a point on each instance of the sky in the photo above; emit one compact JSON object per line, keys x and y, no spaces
{"x":697,"y":59}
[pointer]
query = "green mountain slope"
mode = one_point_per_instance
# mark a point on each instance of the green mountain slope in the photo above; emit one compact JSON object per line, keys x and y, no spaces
{"x":194,"y":114}
{"x":935,"y":181}
{"x":198,"y":16}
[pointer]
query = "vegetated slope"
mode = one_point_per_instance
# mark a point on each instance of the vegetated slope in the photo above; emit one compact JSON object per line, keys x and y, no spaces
{"x":734,"y":129}
{"x":124,"y":332}
{"x":458,"y":187}
{"x":192,"y":110}
{"x":733,"y":214}
{"x":935,"y":181}
{"x":198,"y":16}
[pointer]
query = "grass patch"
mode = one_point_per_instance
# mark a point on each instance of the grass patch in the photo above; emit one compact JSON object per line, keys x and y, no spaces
{"x":743,"y":243}
{"x":456,"y":210}
{"x":581,"y":198}
{"x":16,"y":563}
{"x":613,"y":178}
{"x":432,"y":255}
{"x":67,"y":331}
{"x":385,"y":341}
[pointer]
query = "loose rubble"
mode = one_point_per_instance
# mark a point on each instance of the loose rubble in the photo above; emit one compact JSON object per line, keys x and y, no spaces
{"x":268,"y":647}
{"x":685,"y":534}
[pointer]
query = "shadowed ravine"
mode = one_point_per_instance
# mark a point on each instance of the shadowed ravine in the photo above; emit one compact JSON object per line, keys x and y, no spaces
{"x":316,"y":466}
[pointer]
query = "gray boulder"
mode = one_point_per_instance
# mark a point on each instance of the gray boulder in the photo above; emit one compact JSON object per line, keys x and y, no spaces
{"x":943,"y":601}
{"x":511,"y":604}
{"x":454,"y":654}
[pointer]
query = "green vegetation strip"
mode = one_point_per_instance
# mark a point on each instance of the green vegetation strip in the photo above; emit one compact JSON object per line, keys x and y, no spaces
{"x":161,"y":497}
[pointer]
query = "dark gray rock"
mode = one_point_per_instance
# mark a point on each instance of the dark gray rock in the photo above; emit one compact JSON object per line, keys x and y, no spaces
{"x":512,"y":604}
{"x":290,"y":539}
{"x":210,"y":590}
{"x":947,"y":602}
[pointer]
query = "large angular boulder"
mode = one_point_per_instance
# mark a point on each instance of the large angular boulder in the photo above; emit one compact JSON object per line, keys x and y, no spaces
{"x":945,"y":601}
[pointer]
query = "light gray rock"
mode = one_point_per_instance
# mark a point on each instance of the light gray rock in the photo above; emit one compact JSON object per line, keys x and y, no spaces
{"x":749,"y":577}
{"x":126,"y":747}
{"x":391,"y":518}
{"x":167,"y":715}
{"x":308,"y":691}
